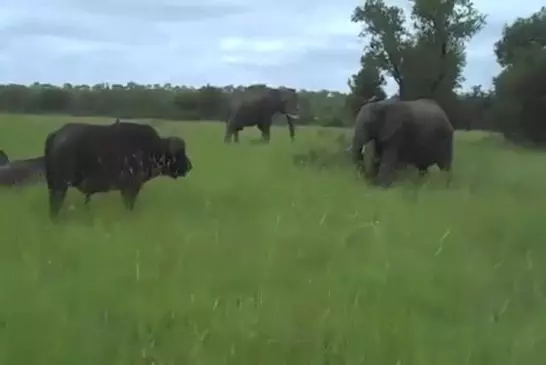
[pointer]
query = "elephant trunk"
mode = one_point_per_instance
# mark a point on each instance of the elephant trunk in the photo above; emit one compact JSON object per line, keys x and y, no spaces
{"x":290,"y":119}
{"x":359,"y":140}
{"x":365,"y":161}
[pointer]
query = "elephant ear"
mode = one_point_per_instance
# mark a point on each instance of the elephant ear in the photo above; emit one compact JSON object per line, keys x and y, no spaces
{"x":390,"y":118}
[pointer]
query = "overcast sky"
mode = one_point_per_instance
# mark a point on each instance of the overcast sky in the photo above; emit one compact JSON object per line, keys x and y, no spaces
{"x":194,"y":42}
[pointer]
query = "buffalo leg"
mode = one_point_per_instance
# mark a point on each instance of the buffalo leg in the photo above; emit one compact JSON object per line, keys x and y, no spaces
{"x":129,"y":195}
{"x":87,"y":199}
{"x":446,"y":168}
{"x":387,"y":166}
{"x":56,"y":199}
{"x":227,"y":136}
{"x":422,"y":172}
{"x":449,"y":177}
{"x":231,"y":132}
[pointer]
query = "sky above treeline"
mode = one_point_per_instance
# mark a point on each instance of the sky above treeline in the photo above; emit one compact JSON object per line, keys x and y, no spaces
{"x":195,"y":42}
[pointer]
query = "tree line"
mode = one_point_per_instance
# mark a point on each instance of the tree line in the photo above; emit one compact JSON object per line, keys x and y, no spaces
{"x":132,"y":100}
{"x":425,"y":56}
{"x":167,"y":101}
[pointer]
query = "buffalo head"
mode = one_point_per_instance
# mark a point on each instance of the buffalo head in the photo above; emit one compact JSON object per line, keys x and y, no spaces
{"x":176,"y":161}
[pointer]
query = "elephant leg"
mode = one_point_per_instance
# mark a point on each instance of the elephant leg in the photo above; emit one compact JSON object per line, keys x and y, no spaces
{"x":375,"y":168}
{"x":389,"y":159}
{"x":265,"y":129}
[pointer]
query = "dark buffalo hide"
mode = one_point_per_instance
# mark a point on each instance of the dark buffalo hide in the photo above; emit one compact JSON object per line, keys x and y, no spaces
{"x":100,"y":158}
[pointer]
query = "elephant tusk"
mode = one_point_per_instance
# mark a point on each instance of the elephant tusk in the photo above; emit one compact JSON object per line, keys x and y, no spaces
{"x":371,"y":100}
{"x":293,"y":116}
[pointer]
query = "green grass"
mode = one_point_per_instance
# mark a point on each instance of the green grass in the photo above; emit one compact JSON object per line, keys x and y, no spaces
{"x":253,"y":260}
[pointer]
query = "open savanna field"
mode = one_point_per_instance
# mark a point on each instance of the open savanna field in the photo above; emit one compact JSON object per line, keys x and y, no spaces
{"x":253,"y":259}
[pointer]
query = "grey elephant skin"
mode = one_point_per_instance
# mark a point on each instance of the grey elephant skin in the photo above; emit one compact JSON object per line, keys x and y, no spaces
{"x":397,"y":133}
{"x":257,"y":107}
{"x":20,"y":172}
{"x":100,"y":158}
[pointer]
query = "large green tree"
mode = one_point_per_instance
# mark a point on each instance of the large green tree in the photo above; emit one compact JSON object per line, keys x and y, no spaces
{"x":522,"y":40}
{"x":423,"y":51}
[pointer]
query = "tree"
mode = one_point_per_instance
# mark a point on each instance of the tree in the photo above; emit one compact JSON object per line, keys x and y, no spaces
{"x":367,"y":83}
{"x":522,"y":39}
{"x":521,"y":86}
{"x":475,"y":109}
{"x":426,"y":54}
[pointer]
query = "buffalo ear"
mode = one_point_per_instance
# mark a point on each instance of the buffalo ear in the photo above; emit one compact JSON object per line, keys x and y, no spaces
{"x":390,"y":120}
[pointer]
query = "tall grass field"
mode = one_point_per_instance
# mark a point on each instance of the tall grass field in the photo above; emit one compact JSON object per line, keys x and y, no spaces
{"x":255,"y":259}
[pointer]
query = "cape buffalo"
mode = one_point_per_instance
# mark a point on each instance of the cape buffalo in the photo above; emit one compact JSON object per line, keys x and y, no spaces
{"x":101,"y":158}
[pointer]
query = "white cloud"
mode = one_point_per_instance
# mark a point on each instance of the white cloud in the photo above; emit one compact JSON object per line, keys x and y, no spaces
{"x":279,"y":42}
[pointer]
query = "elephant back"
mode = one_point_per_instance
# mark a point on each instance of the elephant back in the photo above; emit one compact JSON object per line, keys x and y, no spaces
{"x":365,"y":113}
{"x":432,"y":113}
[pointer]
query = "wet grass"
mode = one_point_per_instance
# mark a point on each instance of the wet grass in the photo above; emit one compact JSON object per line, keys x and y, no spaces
{"x":255,"y":259}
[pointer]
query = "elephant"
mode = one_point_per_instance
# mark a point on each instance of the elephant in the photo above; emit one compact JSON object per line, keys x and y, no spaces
{"x":398,"y":133}
{"x":258,"y":109}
